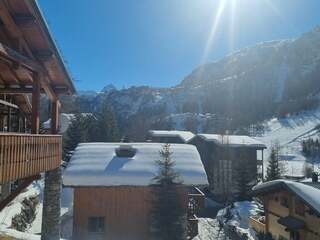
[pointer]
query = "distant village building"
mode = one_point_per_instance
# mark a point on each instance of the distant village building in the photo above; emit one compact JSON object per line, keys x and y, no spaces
{"x":172,"y":136}
{"x":291,"y":210}
{"x":223,"y":154}
{"x":112,"y":192}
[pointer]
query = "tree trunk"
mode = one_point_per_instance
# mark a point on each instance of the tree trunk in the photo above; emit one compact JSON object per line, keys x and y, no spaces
{"x":51,"y":206}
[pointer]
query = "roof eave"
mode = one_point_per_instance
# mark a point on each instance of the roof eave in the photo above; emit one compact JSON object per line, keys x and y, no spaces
{"x":38,"y":11}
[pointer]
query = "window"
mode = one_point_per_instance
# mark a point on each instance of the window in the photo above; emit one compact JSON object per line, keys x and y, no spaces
{"x":299,"y":207}
{"x":96,"y":224}
{"x":284,"y":202}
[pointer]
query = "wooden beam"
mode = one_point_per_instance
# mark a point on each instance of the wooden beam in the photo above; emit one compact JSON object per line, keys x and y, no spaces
{"x":12,"y":28}
{"x":9,"y":54}
{"x":26,"y":90}
{"x":8,"y":104}
{"x":49,"y":90}
{"x":35,"y":122}
{"x":55,"y":107}
{"x":44,"y":55}
{"x":24,"y":20}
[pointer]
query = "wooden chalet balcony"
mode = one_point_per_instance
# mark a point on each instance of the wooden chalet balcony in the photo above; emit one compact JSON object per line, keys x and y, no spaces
{"x":26,"y":155}
{"x":257,"y":224}
{"x":195,"y":205}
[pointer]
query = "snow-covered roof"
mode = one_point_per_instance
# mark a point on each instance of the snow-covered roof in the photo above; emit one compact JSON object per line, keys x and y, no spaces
{"x":97,"y":164}
{"x":233,"y":140}
{"x":310,"y":195}
{"x":185,"y":136}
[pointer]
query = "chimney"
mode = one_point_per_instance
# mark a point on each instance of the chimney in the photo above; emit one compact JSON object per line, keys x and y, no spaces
{"x":125,"y":151}
{"x":315,"y":177}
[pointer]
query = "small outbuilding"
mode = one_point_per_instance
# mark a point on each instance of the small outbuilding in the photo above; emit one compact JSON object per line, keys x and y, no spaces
{"x":112,"y":192}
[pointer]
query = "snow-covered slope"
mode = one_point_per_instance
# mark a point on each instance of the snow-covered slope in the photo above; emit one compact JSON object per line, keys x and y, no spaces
{"x":289,"y":132}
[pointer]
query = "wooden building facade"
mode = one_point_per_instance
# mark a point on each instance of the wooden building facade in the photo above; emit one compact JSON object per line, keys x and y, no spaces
{"x":122,"y":213}
{"x":113,"y":196}
{"x":30,"y":65}
{"x":224,"y":156}
{"x":291,"y":210}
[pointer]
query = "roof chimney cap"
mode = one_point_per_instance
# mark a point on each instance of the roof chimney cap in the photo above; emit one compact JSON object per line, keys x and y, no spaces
{"x":125,"y":150}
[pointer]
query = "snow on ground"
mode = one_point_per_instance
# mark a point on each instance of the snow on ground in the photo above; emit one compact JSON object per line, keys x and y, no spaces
{"x":209,"y":230}
{"x":14,"y":208}
{"x":290,"y":132}
{"x":239,"y":216}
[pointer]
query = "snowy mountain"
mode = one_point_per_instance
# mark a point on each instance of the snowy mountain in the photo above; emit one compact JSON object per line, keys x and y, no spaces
{"x":269,"y":79}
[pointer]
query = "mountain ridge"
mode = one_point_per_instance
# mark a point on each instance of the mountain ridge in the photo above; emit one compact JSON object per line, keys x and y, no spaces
{"x":268,"y":79}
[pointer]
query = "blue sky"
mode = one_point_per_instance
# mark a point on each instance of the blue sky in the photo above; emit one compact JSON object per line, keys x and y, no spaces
{"x":159,"y":42}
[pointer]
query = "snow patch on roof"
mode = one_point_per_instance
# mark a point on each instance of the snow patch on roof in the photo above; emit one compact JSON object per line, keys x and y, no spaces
{"x":185,"y":136}
{"x":233,"y":140}
{"x":307,"y":193}
{"x":96,"y":164}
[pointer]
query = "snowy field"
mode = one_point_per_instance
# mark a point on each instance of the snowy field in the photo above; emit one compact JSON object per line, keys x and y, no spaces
{"x":290,"y":132}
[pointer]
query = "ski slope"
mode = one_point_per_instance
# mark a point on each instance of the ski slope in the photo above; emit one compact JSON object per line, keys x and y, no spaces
{"x":289,"y":132}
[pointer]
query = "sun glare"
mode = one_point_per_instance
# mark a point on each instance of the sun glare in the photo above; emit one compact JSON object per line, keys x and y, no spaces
{"x":229,"y":9}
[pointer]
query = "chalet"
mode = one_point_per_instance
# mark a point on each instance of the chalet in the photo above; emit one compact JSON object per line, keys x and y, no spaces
{"x":112,"y":192}
{"x":291,"y":210}
{"x":222,"y":155}
{"x":173,"y":136}
{"x":30,"y":65}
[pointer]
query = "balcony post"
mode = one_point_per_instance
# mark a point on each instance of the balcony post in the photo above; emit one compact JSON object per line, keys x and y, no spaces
{"x":52,"y":190}
{"x":35,"y":122}
{"x":55,"y":117}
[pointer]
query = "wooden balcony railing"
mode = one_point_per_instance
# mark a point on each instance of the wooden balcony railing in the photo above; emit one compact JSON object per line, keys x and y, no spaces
{"x":195,"y":205}
{"x":258,"y":225}
{"x":25,"y":155}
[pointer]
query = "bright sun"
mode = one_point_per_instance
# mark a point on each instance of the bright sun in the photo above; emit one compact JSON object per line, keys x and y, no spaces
{"x":229,"y":9}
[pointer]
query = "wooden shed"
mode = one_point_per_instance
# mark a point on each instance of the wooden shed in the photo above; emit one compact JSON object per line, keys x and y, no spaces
{"x":112,"y":192}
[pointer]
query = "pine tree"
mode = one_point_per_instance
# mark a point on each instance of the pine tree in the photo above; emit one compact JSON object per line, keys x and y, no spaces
{"x":168,"y":214}
{"x":106,"y":129}
{"x":73,"y":136}
{"x":244,"y":181}
{"x":274,"y":168}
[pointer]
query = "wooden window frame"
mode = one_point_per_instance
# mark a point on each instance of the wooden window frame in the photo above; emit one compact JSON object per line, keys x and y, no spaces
{"x":96,"y":225}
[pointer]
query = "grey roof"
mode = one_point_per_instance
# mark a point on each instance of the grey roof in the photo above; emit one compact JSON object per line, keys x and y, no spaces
{"x":233,"y":140}
{"x":308,"y":194}
{"x":185,"y":136}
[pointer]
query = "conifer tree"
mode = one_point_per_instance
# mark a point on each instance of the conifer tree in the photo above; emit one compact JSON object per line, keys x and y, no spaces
{"x":106,"y":129}
{"x":73,"y":136}
{"x":168,"y":214}
{"x":274,"y":168}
